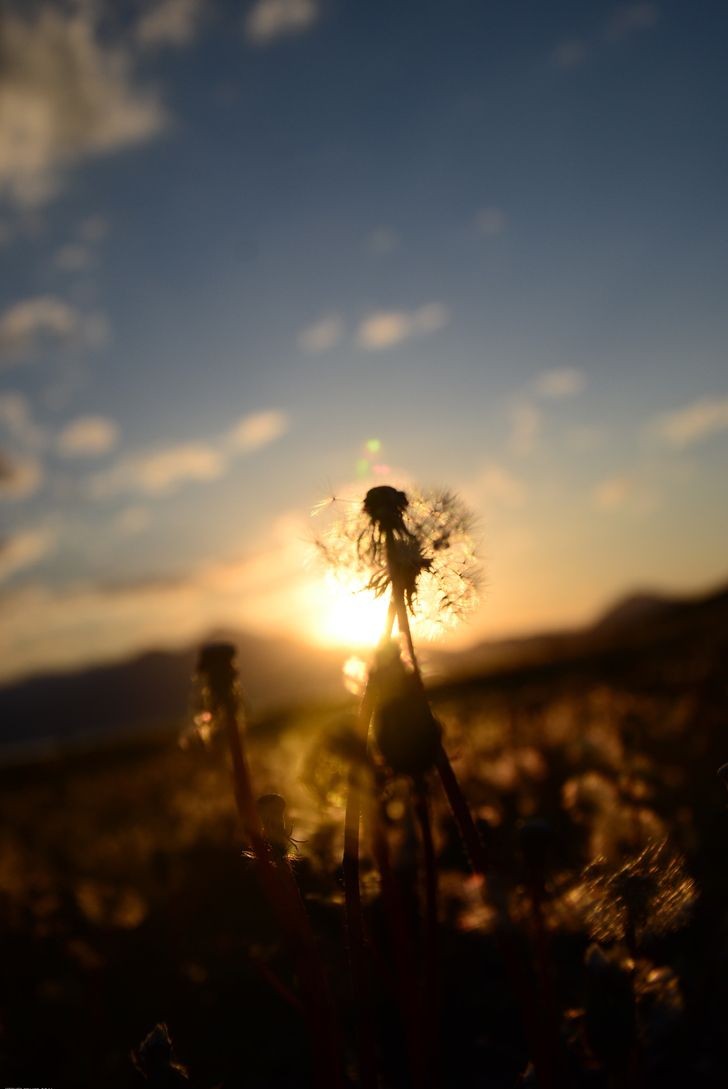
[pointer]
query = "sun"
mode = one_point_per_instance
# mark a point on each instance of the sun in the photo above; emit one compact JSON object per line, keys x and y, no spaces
{"x":347,"y":615}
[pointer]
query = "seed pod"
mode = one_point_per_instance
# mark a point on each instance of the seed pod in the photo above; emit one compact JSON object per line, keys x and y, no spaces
{"x":405,"y":729}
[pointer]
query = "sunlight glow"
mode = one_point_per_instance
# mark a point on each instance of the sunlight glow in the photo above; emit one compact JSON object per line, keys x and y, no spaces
{"x":349,"y":616}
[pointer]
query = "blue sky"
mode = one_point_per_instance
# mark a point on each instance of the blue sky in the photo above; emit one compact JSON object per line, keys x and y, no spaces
{"x":240,"y":240}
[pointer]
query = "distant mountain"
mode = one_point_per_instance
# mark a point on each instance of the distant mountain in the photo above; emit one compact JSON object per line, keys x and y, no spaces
{"x":641,"y":620}
{"x":154,"y":690}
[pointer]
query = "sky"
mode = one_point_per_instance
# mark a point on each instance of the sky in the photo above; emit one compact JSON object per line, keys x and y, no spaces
{"x":254,"y":254}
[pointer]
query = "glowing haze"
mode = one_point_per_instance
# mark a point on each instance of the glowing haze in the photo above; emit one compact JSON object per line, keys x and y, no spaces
{"x":255,"y":255}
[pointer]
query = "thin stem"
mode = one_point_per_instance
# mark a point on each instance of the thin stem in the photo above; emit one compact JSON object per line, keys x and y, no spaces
{"x":431,"y":990}
{"x":402,"y":951}
{"x":284,"y":897}
{"x":361,"y":983}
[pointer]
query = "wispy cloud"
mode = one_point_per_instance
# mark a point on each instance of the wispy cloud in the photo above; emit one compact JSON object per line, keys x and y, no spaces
{"x":17,"y":422}
{"x":165,"y":469}
{"x":386,"y":328}
{"x":571,"y":53}
{"x":628,"y":19}
{"x":169,"y":22}
{"x":559,"y":383}
{"x":497,"y":484}
{"x":88,"y":436}
{"x":258,"y":430}
{"x":624,"y":21}
{"x":491,"y":221}
{"x":20,"y":476}
{"x":31,"y":324}
{"x":131,"y":521}
{"x":64,"y":96}
{"x":322,"y":335}
{"x":24,"y":549}
{"x":161,"y":471}
{"x":612,"y":493}
{"x":383,"y":240}
{"x":268,"y":20}
{"x":692,"y":423}
{"x":525,"y":420}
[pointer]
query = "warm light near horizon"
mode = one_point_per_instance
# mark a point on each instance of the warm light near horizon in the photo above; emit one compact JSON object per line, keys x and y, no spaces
{"x":347,"y":615}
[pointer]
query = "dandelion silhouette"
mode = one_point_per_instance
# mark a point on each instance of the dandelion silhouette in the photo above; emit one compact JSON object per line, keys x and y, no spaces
{"x":649,"y":895}
{"x":419,"y":545}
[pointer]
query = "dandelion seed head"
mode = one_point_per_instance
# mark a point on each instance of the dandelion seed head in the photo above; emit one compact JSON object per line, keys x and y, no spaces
{"x":422,"y":540}
{"x":650,"y":895}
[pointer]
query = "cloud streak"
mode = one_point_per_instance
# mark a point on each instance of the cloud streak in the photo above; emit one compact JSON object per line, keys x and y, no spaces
{"x":30,"y":325}
{"x":692,"y":423}
{"x":387,"y":328}
{"x":64,"y":97}
{"x":269,"y":20}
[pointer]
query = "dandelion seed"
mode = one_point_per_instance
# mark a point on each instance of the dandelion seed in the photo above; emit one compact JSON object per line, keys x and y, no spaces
{"x":418,"y":542}
{"x":650,"y":895}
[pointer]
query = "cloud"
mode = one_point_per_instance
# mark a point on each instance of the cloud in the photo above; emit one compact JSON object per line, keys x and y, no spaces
{"x":496,"y":484}
{"x":629,"y":19}
{"x":54,"y":628}
{"x":383,"y":240}
{"x":693,"y":422}
{"x":88,"y":436}
{"x":571,"y":53}
{"x":64,"y":96}
{"x":93,"y":229}
{"x":19,"y":476}
{"x":28,"y":326}
{"x":24,"y":549}
{"x":322,"y":335}
{"x":612,"y":493}
{"x":525,"y":428}
{"x":16,"y":420}
{"x":132,"y":521}
{"x":559,"y":383}
{"x":258,"y":430}
{"x":386,"y":328}
{"x":268,"y":20}
{"x":160,"y":472}
{"x":72,"y":257}
{"x":169,"y":22}
{"x":491,"y":221}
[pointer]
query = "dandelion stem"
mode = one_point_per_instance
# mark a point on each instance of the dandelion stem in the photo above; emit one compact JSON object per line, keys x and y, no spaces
{"x":284,"y":897}
{"x":422,"y":811}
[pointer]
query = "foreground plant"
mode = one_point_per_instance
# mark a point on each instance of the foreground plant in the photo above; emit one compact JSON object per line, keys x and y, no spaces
{"x":420,"y":553}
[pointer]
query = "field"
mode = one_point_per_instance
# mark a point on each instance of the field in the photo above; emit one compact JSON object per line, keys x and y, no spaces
{"x":126,"y":901}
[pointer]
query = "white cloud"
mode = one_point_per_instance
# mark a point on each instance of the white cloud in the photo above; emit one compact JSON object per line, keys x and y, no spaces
{"x":257,"y":430}
{"x":562,"y":382}
{"x":612,"y":493}
{"x":132,"y":521}
{"x":570,"y":53}
{"x":93,"y":229}
{"x":159,"y":472}
{"x":88,"y":436}
{"x":693,"y":422}
{"x":322,"y":335}
{"x":19,"y":476}
{"x":386,"y":328}
{"x":24,"y":549}
{"x":72,"y":257}
{"x":628,"y":19}
{"x":169,"y":22}
{"x":64,"y":96}
{"x":271,"y":19}
{"x":525,"y":428}
{"x":16,"y":420}
{"x":496,"y":484}
{"x":383,"y":240}
{"x":491,"y":221}
{"x":29,"y":325}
